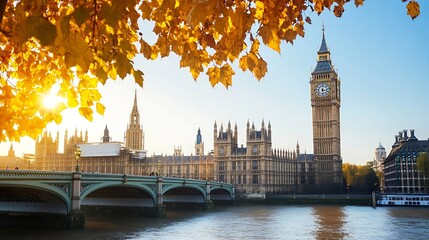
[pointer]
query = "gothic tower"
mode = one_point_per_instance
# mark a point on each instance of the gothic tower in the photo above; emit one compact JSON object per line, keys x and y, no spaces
{"x":225,"y":142}
{"x":325,"y":103}
{"x":258,"y":142}
{"x":199,"y":144}
{"x":106,"y":137}
{"x":134,"y":136}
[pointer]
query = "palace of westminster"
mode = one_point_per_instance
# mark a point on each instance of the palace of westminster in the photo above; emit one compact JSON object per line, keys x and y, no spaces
{"x":255,"y":168}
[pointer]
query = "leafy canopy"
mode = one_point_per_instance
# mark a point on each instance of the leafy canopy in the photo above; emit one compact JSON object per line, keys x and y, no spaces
{"x":70,"y":47}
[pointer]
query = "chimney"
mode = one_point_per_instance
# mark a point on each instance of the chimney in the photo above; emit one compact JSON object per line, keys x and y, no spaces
{"x":396,"y":139}
{"x":400,"y":136}
{"x":412,"y":133}
{"x":405,"y":135}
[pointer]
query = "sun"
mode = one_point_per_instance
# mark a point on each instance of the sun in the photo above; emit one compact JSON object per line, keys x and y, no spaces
{"x":51,"y":100}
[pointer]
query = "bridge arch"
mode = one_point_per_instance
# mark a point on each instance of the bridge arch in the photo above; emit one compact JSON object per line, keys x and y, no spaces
{"x":221,"y":194}
{"x":119,"y":194}
{"x":184,"y":193}
{"x":34,"y":197}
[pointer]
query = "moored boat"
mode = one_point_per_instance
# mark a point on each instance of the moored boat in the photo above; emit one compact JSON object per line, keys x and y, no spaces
{"x":415,"y":200}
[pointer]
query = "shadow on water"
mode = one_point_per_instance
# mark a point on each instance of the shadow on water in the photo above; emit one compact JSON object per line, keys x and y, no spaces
{"x":330,"y":222}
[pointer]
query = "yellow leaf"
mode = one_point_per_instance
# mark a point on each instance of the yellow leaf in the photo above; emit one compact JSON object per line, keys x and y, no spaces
{"x":112,"y":73}
{"x":138,"y":77}
{"x":261,"y":69}
{"x":146,"y":10}
{"x":200,"y":11}
{"x":255,"y":46}
{"x":145,"y":49}
{"x":243,"y":63}
{"x":413,"y":9}
{"x":123,"y":66}
{"x":213,"y":73}
{"x":259,"y":10}
{"x":290,"y":35}
{"x":71,"y":99}
{"x":225,"y":76}
{"x":86,"y":112}
{"x":269,"y":37}
{"x":100,"y":108}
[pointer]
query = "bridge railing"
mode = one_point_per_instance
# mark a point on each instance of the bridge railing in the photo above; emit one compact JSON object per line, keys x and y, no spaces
{"x":31,"y":174}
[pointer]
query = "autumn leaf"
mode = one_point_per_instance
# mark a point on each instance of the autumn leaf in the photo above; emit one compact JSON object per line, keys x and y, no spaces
{"x":269,"y":37}
{"x":359,"y":3}
{"x":81,"y":15}
{"x":100,"y":108}
{"x":413,"y":9}
{"x":225,"y":75}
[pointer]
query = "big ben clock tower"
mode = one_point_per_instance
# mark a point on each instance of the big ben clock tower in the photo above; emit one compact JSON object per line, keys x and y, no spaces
{"x":325,"y":104}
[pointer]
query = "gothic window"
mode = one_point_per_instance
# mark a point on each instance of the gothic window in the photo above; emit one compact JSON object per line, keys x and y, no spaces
{"x":221,"y":178}
{"x":255,"y":150}
{"x":135,"y":119}
{"x":221,"y":166}
{"x":255,"y":179}
{"x":244,"y":165}
{"x":244,"y":179}
{"x":222,"y":150}
{"x":255,"y":165}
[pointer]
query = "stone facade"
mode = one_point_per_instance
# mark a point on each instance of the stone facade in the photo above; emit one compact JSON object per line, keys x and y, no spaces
{"x":256,"y":168}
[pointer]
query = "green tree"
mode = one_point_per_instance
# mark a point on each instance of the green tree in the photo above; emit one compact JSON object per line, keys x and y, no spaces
{"x":423,"y":166}
{"x":72,"y":46}
{"x":360,"y":179}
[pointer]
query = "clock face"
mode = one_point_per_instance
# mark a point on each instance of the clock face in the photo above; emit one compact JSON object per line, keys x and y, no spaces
{"x":322,"y":90}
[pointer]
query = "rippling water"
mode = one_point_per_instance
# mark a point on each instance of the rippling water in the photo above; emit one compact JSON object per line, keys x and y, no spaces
{"x":253,"y":222}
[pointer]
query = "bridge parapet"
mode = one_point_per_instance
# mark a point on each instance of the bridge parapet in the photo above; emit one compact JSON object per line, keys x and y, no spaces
{"x":28,"y":174}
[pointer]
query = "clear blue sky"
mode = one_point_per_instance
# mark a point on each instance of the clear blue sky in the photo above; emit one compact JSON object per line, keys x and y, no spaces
{"x":381,"y":56}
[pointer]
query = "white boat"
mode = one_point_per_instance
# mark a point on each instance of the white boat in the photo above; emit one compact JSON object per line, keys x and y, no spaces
{"x":414,"y":200}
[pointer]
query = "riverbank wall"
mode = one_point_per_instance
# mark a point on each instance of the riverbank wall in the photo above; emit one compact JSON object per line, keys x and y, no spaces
{"x":355,"y":200}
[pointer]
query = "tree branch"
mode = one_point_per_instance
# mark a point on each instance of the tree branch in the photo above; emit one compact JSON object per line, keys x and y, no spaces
{"x":2,"y":9}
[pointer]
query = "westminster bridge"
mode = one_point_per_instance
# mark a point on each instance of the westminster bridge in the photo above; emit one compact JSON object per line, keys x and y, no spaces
{"x":61,"y":199}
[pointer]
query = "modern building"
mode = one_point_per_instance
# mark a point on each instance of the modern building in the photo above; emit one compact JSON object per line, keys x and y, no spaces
{"x":255,"y":169}
{"x":400,"y":173}
{"x":325,"y":104}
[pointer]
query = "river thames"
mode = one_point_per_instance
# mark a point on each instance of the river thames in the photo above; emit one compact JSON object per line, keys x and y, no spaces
{"x":252,"y":222}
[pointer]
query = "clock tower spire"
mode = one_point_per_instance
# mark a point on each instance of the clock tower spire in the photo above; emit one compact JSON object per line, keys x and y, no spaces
{"x":325,"y":104}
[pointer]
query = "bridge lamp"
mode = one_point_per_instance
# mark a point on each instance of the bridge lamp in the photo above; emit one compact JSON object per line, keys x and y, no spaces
{"x":77,"y":153}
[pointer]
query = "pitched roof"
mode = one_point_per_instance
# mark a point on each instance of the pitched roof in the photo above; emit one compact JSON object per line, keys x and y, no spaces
{"x":323,"y":67}
{"x":406,"y":147}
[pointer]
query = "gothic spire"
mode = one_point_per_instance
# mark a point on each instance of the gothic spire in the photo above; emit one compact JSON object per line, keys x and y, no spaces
{"x":106,"y":137}
{"x":323,"y":46}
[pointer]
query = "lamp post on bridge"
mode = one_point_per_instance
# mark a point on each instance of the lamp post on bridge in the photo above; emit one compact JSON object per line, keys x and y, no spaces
{"x":77,"y":154}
